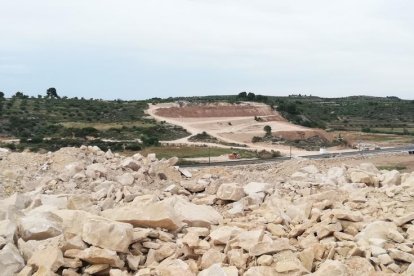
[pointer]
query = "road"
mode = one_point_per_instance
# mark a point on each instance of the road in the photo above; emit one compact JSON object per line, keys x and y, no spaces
{"x":314,"y":156}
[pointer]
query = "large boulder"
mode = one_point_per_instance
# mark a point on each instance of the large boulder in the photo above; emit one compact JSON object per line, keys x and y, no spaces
{"x":107,"y":234}
{"x":332,"y":268}
{"x":96,"y":170}
{"x":50,"y":258}
{"x":40,"y":226}
{"x":73,"y":220}
{"x":8,"y":230}
{"x":130,"y":163}
{"x":362,"y":177}
{"x":223,"y":234}
{"x":95,"y":255}
{"x":10,"y":260}
{"x":80,"y":202}
{"x":219,"y":270}
{"x":173,"y":267}
{"x":375,"y":230}
{"x":391,"y":178}
{"x":230,"y":191}
{"x":256,"y":187}
{"x":125,"y":179}
{"x":170,"y":213}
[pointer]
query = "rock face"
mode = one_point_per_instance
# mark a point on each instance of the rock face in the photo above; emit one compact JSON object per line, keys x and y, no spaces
{"x":87,"y":212}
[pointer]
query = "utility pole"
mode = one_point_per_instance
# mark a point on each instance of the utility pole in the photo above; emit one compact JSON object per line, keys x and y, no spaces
{"x":209,"y":156}
{"x":290,"y":152}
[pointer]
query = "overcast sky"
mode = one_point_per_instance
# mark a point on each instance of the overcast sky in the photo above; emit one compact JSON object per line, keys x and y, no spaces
{"x":137,"y":49}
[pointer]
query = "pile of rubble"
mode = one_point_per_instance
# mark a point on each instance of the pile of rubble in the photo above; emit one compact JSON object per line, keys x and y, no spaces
{"x":87,"y":212}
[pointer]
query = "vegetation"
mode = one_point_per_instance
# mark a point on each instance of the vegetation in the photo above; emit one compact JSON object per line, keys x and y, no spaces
{"x":392,"y":167}
{"x":268,"y":130}
{"x":380,"y":114}
{"x":204,"y":137}
{"x":195,"y":152}
{"x":51,"y":122}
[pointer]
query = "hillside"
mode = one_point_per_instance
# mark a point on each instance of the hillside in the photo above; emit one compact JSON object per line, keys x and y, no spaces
{"x":51,"y":123}
{"x":355,"y":113}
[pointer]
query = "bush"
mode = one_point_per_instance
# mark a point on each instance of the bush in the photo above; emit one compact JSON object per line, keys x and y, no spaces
{"x":264,"y":154}
{"x":257,"y":139}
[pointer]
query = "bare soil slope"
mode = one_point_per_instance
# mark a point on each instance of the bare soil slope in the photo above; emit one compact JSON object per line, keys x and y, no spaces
{"x":219,"y":110}
{"x":234,"y":123}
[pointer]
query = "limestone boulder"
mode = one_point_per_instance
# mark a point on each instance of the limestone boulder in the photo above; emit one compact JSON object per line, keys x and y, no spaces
{"x":195,"y":186}
{"x":391,"y":178}
{"x":96,"y":255}
{"x":223,"y":234}
{"x":73,"y":220}
{"x":10,"y":260}
{"x":80,"y":202}
{"x":261,"y":271}
{"x":230,"y":191}
{"x":219,"y":270}
{"x":256,"y":187}
{"x":40,"y":226}
{"x":375,"y":230}
{"x":50,"y":258}
{"x":174,"y":267}
{"x":170,"y":213}
{"x":332,"y":268}
{"x":130,"y":163}
{"x":96,"y":170}
{"x":271,"y":247}
{"x":362,"y":177}
{"x":125,"y":179}
{"x":8,"y":230}
{"x":212,"y":256}
{"x":404,"y":219}
{"x":108,"y":234}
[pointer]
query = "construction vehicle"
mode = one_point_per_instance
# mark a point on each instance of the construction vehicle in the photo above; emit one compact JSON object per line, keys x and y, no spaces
{"x":234,"y":155}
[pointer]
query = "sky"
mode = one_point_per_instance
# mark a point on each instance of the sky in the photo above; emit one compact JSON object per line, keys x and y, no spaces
{"x":139,"y":49}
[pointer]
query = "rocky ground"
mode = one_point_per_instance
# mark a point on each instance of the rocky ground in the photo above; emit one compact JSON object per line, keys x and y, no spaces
{"x":88,"y":212}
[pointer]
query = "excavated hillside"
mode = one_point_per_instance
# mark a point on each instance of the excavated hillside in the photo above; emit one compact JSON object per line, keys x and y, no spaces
{"x":219,"y":110}
{"x":82,"y":211}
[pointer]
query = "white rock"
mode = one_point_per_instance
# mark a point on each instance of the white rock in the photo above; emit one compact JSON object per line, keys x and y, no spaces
{"x":125,"y":179}
{"x":256,"y":187}
{"x":10,"y":260}
{"x":185,"y":172}
{"x":170,"y":213}
{"x":218,"y":270}
{"x":391,"y":178}
{"x":40,"y":226}
{"x":107,"y":234}
{"x":50,"y":258}
{"x":230,"y":191}
{"x":130,"y":163}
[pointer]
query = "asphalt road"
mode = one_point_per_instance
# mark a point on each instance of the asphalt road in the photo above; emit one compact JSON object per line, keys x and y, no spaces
{"x":315,"y":156}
